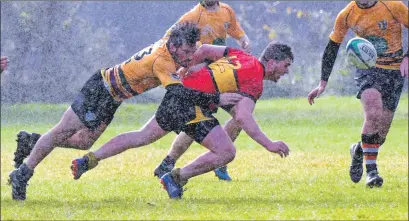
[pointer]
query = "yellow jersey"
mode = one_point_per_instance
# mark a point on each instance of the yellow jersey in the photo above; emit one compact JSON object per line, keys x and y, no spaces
{"x":214,"y":26}
{"x":381,"y":25}
{"x":147,"y":69}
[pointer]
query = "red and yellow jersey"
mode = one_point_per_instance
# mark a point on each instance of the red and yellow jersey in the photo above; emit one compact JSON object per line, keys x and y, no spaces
{"x":214,"y":26}
{"x":380,"y":24}
{"x":145,"y":70}
{"x":236,"y":72}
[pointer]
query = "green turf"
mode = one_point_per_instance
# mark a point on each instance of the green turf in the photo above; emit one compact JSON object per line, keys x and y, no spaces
{"x":312,"y":183}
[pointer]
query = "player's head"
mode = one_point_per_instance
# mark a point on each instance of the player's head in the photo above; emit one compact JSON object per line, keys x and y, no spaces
{"x":182,"y":42}
{"x":276,"y":58}
{"x":208,"y":3}
{"x":365,"y":3}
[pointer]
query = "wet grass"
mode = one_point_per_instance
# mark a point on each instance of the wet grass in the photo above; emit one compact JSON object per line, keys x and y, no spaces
{"x":312,"y":183}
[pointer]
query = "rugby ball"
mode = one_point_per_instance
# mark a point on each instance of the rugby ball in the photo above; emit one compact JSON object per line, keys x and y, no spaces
{"x":361,"y":53}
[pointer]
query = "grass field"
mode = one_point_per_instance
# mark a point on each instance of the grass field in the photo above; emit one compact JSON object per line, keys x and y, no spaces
{"x":312,"y":183}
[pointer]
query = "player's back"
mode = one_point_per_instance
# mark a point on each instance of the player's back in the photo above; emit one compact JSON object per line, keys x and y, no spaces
{"x":137,"y":74}
{"x":236,"y":72}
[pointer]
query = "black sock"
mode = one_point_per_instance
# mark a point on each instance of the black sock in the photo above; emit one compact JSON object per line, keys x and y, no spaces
{"x":169,"y":161}
{"x":370,"y":167}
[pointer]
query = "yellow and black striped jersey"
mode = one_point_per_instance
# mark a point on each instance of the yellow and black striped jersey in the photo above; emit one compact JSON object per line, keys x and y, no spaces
{"x":147,"y":69}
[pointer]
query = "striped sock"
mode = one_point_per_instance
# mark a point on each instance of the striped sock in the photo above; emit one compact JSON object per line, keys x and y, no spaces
{"x":370,"y":147}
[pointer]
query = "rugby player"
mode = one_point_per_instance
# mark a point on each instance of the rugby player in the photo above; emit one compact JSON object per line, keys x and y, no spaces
{"x":380,"y":88}
{"x":216,"y":20}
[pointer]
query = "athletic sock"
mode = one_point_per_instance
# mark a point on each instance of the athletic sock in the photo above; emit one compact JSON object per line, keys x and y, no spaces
{"x":370,"y":146}
{"x":91,"y":159}
{"x":168,"y":161}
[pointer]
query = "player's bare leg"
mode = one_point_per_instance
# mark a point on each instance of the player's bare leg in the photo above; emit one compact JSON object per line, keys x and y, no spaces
{"x":222,"y":151}
{"x":183,"y":142}
{"x":179,"y":146}
{"x":150,"y":132}
{"x":82,"y":140}
{"x":371,"y":100}
{"x":69,"y":125}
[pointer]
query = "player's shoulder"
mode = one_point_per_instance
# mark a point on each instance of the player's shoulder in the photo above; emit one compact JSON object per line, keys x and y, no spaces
{"x":226,"y":7}
{"x":195,"y":10}
{"x":160,"y":53}
{"x":347,"y":9}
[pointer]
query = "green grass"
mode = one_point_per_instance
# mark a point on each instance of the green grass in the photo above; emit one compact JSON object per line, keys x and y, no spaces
{"x":312,"y":183}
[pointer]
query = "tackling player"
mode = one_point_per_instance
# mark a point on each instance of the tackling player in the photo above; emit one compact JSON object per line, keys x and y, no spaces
{"x":233,"y":71}
{"x":380,"y":88}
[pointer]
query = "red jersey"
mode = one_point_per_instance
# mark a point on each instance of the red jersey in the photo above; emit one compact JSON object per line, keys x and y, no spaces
{"x":237,"y":72}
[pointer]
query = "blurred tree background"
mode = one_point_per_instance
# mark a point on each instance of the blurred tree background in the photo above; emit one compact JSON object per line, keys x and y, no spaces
{"x":54,"y":47}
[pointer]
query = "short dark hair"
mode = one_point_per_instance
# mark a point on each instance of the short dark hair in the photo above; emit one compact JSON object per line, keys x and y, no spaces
{"x":277,"y":51}
{"x":184,"y":32}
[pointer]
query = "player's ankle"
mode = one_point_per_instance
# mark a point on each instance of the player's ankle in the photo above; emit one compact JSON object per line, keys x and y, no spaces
{"x":175,"y":173}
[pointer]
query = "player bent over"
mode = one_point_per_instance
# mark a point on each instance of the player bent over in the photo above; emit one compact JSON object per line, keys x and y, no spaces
{"x":246,"y":77}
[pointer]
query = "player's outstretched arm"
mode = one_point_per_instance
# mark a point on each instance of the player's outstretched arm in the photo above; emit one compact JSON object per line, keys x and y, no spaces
{"x":328,"y":61}
{"x":244,"y":43}
{"x":3,"y":62}
{"x":208,"y":52}
{"x":244,"y":116}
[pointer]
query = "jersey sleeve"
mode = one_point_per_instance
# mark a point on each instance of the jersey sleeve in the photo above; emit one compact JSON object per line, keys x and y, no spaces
{"x":400,"y":12}
{"x":163,"y":70}
{"x":340,"y":27}
{"x":228,"y":52}
{"x":234,"y":29}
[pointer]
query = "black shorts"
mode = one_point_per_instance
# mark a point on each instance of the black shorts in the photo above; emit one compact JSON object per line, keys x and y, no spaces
{"x":94,"y":104}
{"x":388,"y":82}
{"x":178,"y":114}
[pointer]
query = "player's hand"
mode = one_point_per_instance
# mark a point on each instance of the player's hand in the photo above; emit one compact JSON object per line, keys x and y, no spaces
{"x":404,"y":69}
{"x":229,"y":99}
{"x":280,"y":148}
{"x":245,"y":44}
{"x":195,"y":68}
{"x":182,"y":72}
{"x":3,"y":63}
{"x":317,"y":92}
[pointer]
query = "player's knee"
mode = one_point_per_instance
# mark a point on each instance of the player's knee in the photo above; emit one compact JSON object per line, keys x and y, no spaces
{"x":228,"y":153}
